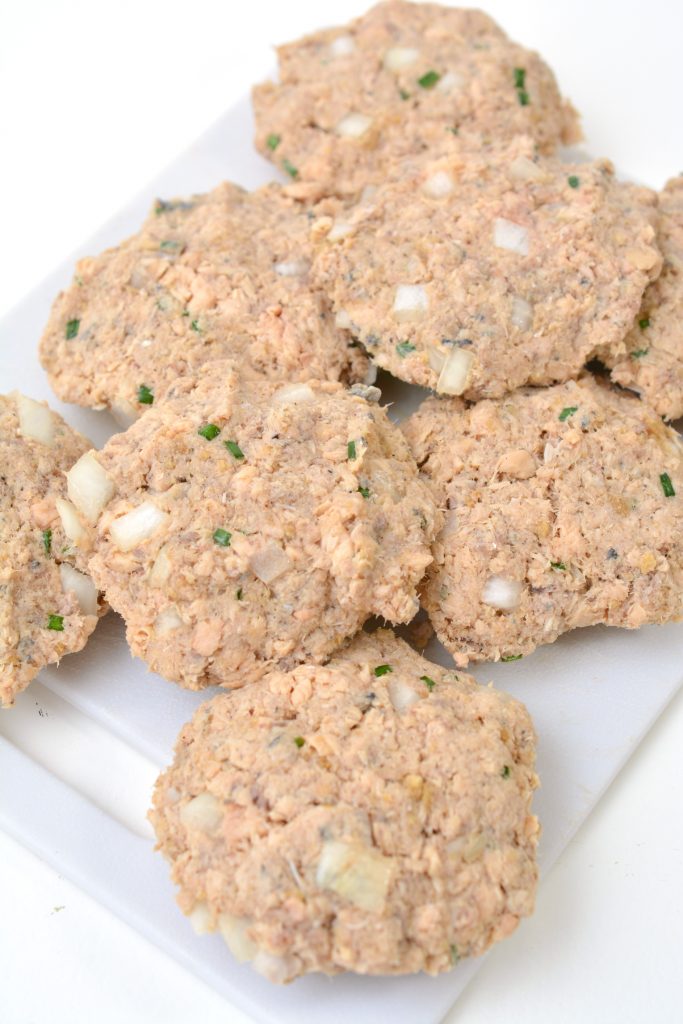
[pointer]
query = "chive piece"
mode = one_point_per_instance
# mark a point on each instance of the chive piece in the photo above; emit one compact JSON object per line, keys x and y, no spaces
{"x":644,"y":323}
{"x":234,"y":449}
{"x":47,"y":541}
{"x":558,"y":566}
{"x":145,"y":395}
{"x":523,"y":97}
{"x":351,"y":449}
{"x":289,"y":167}
{"x":453,"y":131}
{"x":72,"y":329}
{"x":222,"y":537}
{"x":209,"y":431}
{"x":79,"y":280}
{"x":567,"y":412}
{"x":56,"y":622}
{"x":429,"y":79}
{"x":195,"y":326}
{"x":520,"y":77}
{"x":381,"y":670}
{"x":273,"y":141}
{"x":639,"y":353}
{"x":404,"y":348}
{"x":240,"y":594}
{"x":167,"y":244}
{"x":403,"y":94}
{"x":505,"y":771}
{"x":573,"y":181}
{"x":365,"y":491}
{"x":429,"y":683}
{"x":299,"y":740}
{"x":667,"y":486}
{"x":512,"y":657}
{"x":455,"y":956}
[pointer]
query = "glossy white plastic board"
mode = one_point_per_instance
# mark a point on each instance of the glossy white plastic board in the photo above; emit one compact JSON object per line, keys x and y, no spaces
{"x":593,"y":695}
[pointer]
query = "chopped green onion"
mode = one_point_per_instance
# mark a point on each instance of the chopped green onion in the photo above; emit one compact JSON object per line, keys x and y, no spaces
{"x":523,"y":97}
{"x":239,"y":594}
{"x":639,"y":353}
{"x":558,"y":566}
{"x":47,"y":541}
{"x":169,"y":245}
{"x":404,"y":348}
{"x":667,"y":486}
{"x":429,"y":79}
{"x":429,"y":683}
{"x":195,"y":326}
{"x":209,"y":431}
{"x":289,"y":167}
{"x":645,"y":322}
{"x":299,"y":740}
{"x":72,"y":329}
{"x":145,"y":395}
{"x":573,"y":181}
{"x":567,"y":412}
{"x":273,"y":141}
{"x":234,"y":449}
{"x":520,"y":77}
{"x":351,"y":449}
{"x":56,"y":622}
{"x":365,"y":491}
{"x":506,"y":771}
{"x":79,"y":280}
{"x":511,"y":657}
{"x":453,"y":131}
{"x":381,"y":670}
{"x":455,"y":956}
{"x":403,"y":94}
{"x":222,"y":537}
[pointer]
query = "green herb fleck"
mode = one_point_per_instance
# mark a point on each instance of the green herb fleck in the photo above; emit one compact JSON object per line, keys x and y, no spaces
{"x":429,"y":79}
{"x":455,"y":956}
{"x":567,"y":412}
{"x":289,"y":167}
{"x":558,"y":566}
{"x":429,"y":683}
{"x":240,"y":594}
{"x":167,"y":244}
{"x":299,"y":741}
{"x":511,"y":657}
{"x":234,"y":449}
{"x":453,"y":131}
{"x":639,"y":353}
{"x":145,"y":395}
{"x":72,"y":329}
{"x":79,"y":280}
{"x":523,"y":97}
{"x":644,"y":323}
{"x":573,"y":181}
{"x":56,"y":622}
{"x":365,"y":491}
{"x":381,"y":670}
{"x":404,"y":348}
{"x":273,"y":141}
{"x":222,"y":537}
{"x":47,"y":541}
{"x":520,"y":77}
{"x":403,"y":94}
{"x":505,"y":771}
{"x":351,"y":449}
{"x":667,"y":486}
{"x":195,"y":326}
{"x":185,"y":312}
{"x":209,"y":431}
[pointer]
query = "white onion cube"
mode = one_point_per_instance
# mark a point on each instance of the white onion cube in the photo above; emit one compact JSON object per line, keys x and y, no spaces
{"x":137,"y":526}
{"x":455,"y":374}
{"x":399,"y":57}
{"x":342,"y":46}
{"x":511,"y":236}
{"x":89,"y":486}
{"x":355,"y":872}
{"x":411,"y":302}
{"x":501,"y":593}
{"x":354,"y":125}
{"x":438,"y":185}
{"x":35,"y":420}
{"x":81,"y":586}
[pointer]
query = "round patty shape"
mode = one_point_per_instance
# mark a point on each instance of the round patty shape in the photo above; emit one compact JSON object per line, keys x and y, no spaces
{"x":565,"y":509}
{"x":352,"y":100}
{"x":489,"y":269}
{"x":372,"y":815}
{"x":257,"y":525}
{"x":651,"y":360}
{"x":221,"y":275}
{"x":48,"y":607}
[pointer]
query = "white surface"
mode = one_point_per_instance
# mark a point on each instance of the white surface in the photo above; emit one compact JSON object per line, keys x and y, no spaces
{"x":200,"y":65}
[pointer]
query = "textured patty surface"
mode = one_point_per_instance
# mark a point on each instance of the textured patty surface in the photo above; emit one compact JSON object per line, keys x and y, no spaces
{"x":41,"y":616}
{"x":652,"y":358}
{"x":355,"y":99}
{"x":220,"y":275}
{"x":491,"y":268}
{"x":371,"y":815}
{"x":269,"y":521}
{"x":565,"y":509}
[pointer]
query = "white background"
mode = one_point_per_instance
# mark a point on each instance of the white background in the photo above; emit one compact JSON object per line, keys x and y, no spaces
{"x":94,"y":100}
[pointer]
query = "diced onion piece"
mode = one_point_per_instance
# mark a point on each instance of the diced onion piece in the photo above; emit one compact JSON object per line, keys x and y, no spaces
{"x":370,"y":375}
{"x":367,"y":195}
{"x":342,"y":319}
{"x":342,"y":46}
{"x":449,"y":82}
{"x":340,"y":229}
{"x":89,"y":486}
{"x":353,"y":125}
{"x":269,"y":563}
{"x":502,"y":593}
{"x":522,"y":314}
{"x":455,"y":373}
{"x":508,"y":235}
{"x":124,"y":412}
{"x":401,"y":695}
{"x":201,"y":919}
{"x":161,"y":569}
{"x":278,"y":969}
{"x":137,"y":526}
{"x":410,"y":303}
{"x":294,"y":393}
{"x":166,"y":621}
{"x":203,"y":812}
{"x":524,"y":169}
{"x":35,"y":420}
{"x":438,"y":185}
{"x":234,"y":932}
{"x":355,"y":872}
{"x":293,"y":268}
{"x":436,"y":357}
{"x":450,"y":525}
{"x":71,"y":523}
{"x":81,"y":586}
{"x":549,"y":452}
{"x":399,"y":57}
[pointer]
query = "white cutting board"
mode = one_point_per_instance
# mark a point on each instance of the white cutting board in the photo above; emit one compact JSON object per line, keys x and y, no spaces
{"x":83,"y":744}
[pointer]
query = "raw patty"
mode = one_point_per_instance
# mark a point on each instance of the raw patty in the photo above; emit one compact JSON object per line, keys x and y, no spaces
{"x":222,"y":275}
{"x":652,"y":358}
{"x":474,"y":80}
{"x":490,"y":269}
{"x":559,"y":516}
{"x":47,"y":607}
{"x":371,"y":816}
{"x":268,"y":544}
